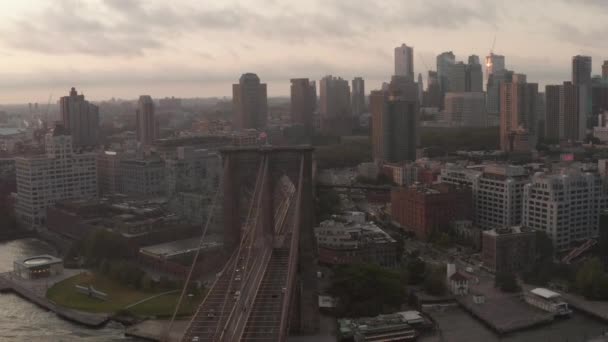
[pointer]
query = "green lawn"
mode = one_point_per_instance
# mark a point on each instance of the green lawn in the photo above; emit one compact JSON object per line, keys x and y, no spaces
{"x":165,"y":304}
{"x":119,"y":296}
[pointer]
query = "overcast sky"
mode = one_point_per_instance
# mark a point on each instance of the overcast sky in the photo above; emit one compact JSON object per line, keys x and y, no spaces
{"x":197,"y":48}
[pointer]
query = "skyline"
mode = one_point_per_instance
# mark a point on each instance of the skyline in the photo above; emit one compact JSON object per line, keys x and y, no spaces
{"x":125,"y":48}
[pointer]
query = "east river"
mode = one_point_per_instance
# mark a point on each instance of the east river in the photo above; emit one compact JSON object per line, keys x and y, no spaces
{"x":21,"y":320}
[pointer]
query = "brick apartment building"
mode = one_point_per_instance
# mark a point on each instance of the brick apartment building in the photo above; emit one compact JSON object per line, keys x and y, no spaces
{"x":508,"y":249}
{"x":425,"y":209}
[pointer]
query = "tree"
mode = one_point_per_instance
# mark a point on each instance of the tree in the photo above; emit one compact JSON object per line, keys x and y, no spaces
{"x":591,"y":280}
{"x":544,"y":247}
{"x":327,"y":204}
{"x":415,"y":270}
{"x":434,"y":281}
{"x":507,"y":282}
{"x":366,"y":290}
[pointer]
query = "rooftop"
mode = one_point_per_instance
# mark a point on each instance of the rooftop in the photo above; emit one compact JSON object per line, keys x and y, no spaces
{"x":350,"y":234}
{"x":547,"y":294}
{"x":509,"y":230}
{"x":180,"y":247}
{"x":38,"y":260}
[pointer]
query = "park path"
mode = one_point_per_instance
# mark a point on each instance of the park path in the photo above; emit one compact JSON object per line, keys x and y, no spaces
{"x":150,"y":298}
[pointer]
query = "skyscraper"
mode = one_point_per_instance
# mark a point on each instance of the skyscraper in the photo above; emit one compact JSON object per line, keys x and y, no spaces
{"x":81,"y":118}
{"x":554,"y":121}
{"x":404,"y":61}
{"x":432,"y":96}
{"x":467,"y":109}
{"x":358,"y":96}
{"x":573,"y":114}
{"x":581,"y":70}
{"x":394,"y":126}
{"x":563,"y":120}
{"x":494,"y":63}
{"x":581,"y":77}
{"x":474,"y":75}
{"x":518,"y":123}
{"x":250,"y":103}
{"x":147,"y":126}
{"x":335,"y":107}
{"x":303,"y":99}
{"x":605,"y":72}
{"x":456,"y":78}
{"x":493,"y":100}
{"x":444,"y":60}
{"x":420,"y":90}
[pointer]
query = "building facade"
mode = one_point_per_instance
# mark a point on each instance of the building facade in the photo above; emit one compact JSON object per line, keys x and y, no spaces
{"x":108,"y":172}
{"x":250,"y":103}
{"x":335,"y":106}
{"x":518,"y":113}
{"x":474,"y":75}
{"x":465,"y":109}
{"x":58,"y":175}
{"x":565,"y":205}
{"x":142,"y":176}
{"x":192,"y":180}
{"x":146,"y":122}
{"x":404,"y":61}
{"x":508,"y":250}
{"x":425,"y":210}
{"x":303,"y":103}
{"x":432,"y":95}
{"x":499,"y":196}
{"x":81,"y":119}
{"x":358,"y":96}
{"x":493,"y":95}
{"x":394,"y":127}
{"x":350,"y":239}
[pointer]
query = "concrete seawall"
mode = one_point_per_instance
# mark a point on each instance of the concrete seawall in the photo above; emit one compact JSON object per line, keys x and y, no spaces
{"x":92,"y":320}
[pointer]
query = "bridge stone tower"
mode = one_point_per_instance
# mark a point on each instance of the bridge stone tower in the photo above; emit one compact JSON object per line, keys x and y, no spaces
{"x":243,"y":168}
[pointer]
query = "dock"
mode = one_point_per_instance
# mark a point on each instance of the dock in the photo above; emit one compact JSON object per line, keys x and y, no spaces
{"x":506,"y":314}
{"x":593,"y":308}
{"x":37,"y":296}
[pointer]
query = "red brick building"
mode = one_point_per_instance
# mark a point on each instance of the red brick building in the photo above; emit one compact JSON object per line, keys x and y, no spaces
{"x":424,"y":209}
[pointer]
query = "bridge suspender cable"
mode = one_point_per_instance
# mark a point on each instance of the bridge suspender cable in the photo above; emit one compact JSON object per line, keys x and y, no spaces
{"x":200,"y":245}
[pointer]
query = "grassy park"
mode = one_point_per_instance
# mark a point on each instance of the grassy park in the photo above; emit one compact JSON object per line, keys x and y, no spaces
{"x":119,"y":297}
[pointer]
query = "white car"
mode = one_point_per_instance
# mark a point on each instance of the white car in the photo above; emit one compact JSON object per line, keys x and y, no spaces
{"x":195,"y":339}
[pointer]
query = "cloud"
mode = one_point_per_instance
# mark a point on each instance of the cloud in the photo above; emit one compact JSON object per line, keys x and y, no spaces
{"x":132,"y":27}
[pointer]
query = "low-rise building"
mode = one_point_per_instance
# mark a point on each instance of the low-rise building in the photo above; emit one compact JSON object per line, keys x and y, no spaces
{"x":457,"y":283}
{"x":506,"y":250}
{"x":349,"y":239}
{"x":427,"y":209}
{"x":40,"y":266}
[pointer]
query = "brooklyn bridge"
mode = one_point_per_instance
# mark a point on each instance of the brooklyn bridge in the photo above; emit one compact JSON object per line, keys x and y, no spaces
{"x":267,"y":288}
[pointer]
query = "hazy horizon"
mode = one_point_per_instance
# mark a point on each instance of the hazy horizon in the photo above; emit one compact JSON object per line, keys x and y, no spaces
{"x":124,"y":48}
